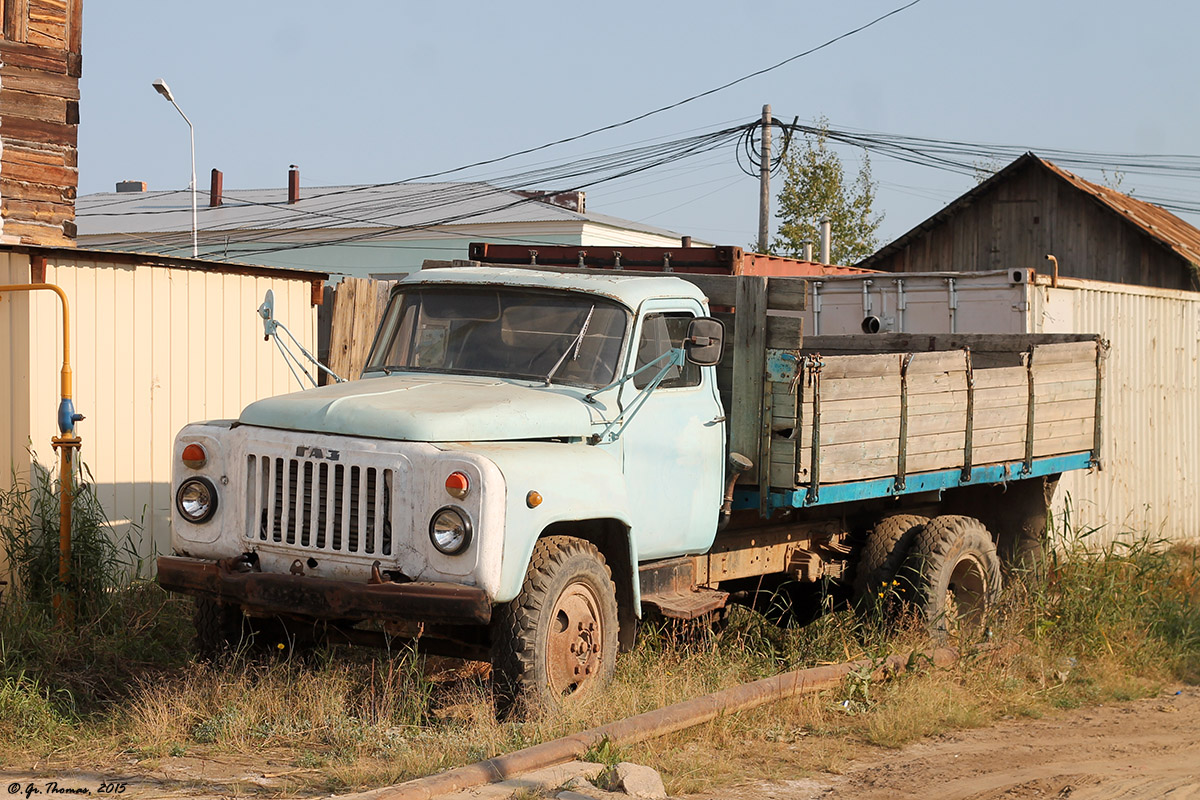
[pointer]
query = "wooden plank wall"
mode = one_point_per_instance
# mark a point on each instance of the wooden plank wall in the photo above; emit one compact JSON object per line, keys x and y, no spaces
{"x":860,"y":402}
{"x":749,"y":371}
{"x":40,"y":65}
{"x":1033,"y":212}
{"x":358,"y":305}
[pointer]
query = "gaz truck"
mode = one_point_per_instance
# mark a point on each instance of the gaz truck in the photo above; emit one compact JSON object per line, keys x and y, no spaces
{"x":534,"y":459}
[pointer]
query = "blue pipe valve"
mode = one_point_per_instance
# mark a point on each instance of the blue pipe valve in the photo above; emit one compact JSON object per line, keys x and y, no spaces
{"x":67,"y":417}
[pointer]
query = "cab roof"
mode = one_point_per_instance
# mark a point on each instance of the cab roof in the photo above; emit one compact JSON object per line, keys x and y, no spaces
{"x":629,"y":290}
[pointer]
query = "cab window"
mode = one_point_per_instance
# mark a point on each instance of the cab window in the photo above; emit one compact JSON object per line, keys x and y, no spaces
{"x":660,"y":333}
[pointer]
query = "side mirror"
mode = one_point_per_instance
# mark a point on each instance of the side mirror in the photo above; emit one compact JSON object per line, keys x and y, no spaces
{"x":267,"y":312}
{"x":705,"y":341}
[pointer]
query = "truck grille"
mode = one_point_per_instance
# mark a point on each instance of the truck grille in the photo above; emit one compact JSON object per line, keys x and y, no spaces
{"x":320,"y":505}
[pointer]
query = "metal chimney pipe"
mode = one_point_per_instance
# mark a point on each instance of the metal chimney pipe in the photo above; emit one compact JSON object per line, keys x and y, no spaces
{"x":215,"y":187}
{"x":826,"y":239}
{"x":806,"y":253}
{"x":293,"y":184}
{"x":686,"y":241}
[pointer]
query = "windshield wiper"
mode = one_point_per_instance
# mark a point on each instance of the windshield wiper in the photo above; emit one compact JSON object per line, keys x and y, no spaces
{"x":575,"y":345}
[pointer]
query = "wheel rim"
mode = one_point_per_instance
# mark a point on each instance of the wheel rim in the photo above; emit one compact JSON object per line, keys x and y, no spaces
{"x":967,"y":592}
{"x":574,"y":642}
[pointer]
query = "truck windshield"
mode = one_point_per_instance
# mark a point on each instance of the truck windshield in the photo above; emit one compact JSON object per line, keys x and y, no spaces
{"x":512,"y":332}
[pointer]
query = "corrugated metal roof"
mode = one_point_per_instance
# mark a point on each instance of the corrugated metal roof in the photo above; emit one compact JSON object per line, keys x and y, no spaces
{"x":1157,"y":223}
{"x":400,"y":205}
{"x":104,"y":258}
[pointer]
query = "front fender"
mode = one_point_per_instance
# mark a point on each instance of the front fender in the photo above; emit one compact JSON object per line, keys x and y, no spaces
{"x":576,"y":482}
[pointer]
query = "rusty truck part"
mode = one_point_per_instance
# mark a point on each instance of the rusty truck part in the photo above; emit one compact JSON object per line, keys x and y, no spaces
{"x":320,"y":598}
{"x":720,"y":260}
{"x":641,"y":727}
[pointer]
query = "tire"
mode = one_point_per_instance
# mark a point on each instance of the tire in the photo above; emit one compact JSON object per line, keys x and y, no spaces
{"x":556,"y":641}
{"x":222,"y":630}
{"x":953,"y":574}
{"x":811,"y":600}
{"x":219,"y":628}
{"x":883,"y":555}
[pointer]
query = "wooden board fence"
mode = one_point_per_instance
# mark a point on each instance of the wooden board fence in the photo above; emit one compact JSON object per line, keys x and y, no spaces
{"x":358,"y":305}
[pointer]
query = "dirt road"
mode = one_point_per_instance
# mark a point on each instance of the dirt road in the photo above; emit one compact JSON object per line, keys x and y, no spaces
{"x":1140,"y":750}
{"x":1144,"y":749}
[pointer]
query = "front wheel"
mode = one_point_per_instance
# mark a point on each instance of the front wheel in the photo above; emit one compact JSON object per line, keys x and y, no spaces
{"x":220,"y":628}
{"x":557,"y":640}
{"x":954,"y":574}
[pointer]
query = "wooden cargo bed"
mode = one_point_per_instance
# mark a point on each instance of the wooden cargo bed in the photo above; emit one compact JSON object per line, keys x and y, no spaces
{"x":842,"y":418}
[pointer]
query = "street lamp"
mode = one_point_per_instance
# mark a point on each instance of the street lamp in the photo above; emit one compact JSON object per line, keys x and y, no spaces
{"x":161,"y":87}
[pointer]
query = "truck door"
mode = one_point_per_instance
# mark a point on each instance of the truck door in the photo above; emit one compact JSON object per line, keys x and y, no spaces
{"x":673,"y":450}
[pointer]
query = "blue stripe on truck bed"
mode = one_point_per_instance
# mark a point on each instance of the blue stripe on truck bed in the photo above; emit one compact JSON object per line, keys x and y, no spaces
{"x":830,"y":494}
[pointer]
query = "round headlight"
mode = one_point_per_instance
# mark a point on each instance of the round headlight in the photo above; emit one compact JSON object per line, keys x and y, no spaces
{"x":196,"y":500}
{"x":450,"y":531}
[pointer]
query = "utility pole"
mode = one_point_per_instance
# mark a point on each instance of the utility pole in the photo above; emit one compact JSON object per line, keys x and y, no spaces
{"x":764,"y":183}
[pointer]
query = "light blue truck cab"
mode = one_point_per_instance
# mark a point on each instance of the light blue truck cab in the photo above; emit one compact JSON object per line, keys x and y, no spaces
{"x":499,"y":409}
{"x":532,"y":459}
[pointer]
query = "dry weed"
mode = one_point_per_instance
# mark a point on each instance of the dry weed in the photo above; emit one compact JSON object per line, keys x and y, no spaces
{"x":1105,"y":626}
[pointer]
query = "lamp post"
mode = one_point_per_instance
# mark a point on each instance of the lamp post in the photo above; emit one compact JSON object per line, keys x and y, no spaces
{"x":161,"y":87}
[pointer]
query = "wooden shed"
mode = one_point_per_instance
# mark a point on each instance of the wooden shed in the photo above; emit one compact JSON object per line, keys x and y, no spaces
{"x":156,"y":343}
{"x":40,"y":65}
{"x":1032,"y":208}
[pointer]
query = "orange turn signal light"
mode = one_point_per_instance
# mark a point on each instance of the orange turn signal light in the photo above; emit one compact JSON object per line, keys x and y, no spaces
{"x":457,"y":485}
{"x":533,"y":499}
{"x":194,"y":456}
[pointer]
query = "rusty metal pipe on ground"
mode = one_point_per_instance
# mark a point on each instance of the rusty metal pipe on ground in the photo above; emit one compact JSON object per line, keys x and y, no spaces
{"x":641,"y":727}
{"x":66,"y":443}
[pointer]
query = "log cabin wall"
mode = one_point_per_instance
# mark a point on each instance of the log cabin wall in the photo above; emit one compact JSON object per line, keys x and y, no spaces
{"x":40,"y":65}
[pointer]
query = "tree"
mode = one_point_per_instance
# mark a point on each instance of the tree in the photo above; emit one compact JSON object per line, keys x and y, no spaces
{"x":814,"y":187}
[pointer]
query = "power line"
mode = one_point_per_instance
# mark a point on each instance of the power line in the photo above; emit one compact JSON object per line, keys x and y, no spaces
{"x":639,"y":117}
{"x":579,"y":174}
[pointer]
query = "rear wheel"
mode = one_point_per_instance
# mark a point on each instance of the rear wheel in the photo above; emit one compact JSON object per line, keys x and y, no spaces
{"x":557,"y":640}
{"x":954,"y":574}
{"x":881,"y":558}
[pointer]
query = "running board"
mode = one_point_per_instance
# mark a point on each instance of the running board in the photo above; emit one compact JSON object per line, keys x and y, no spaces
{"x":669,"y":587}
{"x":686,"y":605}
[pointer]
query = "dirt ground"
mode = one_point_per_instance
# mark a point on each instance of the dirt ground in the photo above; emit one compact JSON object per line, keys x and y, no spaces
{"x":1145,"y":749}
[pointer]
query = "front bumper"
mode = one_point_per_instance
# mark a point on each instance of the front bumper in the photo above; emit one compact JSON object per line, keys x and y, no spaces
{"x":320,"y":598}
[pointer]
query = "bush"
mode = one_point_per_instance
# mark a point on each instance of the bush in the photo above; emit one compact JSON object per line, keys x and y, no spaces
{"x":123,"y":623}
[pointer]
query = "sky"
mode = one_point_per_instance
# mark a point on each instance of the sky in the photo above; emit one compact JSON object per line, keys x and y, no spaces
{"x":384,"y":91}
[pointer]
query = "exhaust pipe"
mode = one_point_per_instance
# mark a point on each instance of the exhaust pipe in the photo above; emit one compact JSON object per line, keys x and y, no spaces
{"x":738,"y":464}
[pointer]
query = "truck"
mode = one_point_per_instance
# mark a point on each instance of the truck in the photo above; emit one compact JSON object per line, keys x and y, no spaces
{"x":536,"y":458}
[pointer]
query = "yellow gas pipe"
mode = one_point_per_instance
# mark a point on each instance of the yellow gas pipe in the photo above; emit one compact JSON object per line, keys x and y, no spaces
{"x":66,"y":443}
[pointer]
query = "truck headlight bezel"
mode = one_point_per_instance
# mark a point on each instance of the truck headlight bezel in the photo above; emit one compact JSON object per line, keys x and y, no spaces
{"x":450,"y":530}
{"x":196,"y":500}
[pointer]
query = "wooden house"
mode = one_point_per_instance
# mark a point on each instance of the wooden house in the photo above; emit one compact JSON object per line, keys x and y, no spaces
{"x":1032,"y":208}
{"x":40,"y":64}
